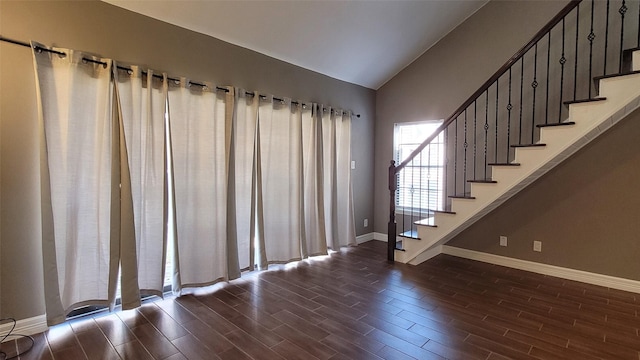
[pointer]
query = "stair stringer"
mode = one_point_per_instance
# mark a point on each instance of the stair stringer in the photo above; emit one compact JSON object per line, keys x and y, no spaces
{"x":591,"y":118}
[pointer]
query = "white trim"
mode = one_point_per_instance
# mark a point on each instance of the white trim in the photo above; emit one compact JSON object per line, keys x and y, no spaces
{"x":545,"y":269}
{"x":426,"y":255}
{"x":380,"y":236}
{"x":30,"y":326}
{"x":364,"y":238}
{"x":371,"y":236}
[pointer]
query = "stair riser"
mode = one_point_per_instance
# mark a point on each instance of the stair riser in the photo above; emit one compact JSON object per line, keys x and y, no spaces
{"x":463,"y":205}
{"x":506,"y":174}
{"x":636,"y":60}
{"x":527,"y":155}
{"x":444,"y":219}
{"x":483,"y":190}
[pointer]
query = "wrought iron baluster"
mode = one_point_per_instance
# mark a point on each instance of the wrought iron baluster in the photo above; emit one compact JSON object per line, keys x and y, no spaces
{"x":623,"y":10}
{"x":591,"y":37}
{"x":606,"y":38}
{"x":428,"y":205}
{"x":521,"y":94}
{"x":496,"y":148}
{"x":509,"y":107}
{"x":475,"y":137}
{"x":562,"y":61}
{"x":486,"y":129}
{"x":534,"y":85}
{"x":406,"y":191}
{"x":465,"y":145}
{"x":546,"y":110}
{"x":445,"y":191}
{"x":455,"y":161}
{"x":416,"y":215}
{"x":575,"y":66}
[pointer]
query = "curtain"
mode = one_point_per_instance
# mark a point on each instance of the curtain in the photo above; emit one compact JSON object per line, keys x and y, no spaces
{"x":142,"y":100}
{"x":338,"y":199}
{"x":279,"y":181}
{"x":314,"y":241}
{"x":346,"y":229}
{"x":132,"y":163}
{"x":243,"y":176}
{"x":79,"y":180}
{"x":198,"y":118}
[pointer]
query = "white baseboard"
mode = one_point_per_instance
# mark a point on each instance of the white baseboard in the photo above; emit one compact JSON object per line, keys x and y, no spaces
{"x":380,"y":236}
{"x":371,"y":236}
{"x":364,"y":238}
{"x":30,"y":326}
{"x":551,"y":270}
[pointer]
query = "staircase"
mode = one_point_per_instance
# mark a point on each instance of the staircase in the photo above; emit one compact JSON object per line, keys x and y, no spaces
{"x":517,"y":160}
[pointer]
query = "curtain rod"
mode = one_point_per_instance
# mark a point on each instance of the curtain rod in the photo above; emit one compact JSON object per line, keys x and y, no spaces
{"x":39,"y":48}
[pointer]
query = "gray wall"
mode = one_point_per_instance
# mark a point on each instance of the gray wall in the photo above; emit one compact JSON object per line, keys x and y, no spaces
{"x":125,"y":36}
{"x":439,"y":81}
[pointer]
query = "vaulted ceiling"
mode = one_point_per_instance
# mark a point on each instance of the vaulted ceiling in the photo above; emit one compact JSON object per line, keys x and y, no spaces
{"x":364,"y":42}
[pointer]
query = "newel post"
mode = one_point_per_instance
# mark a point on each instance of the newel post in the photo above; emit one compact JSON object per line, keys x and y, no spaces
{"x":391,"y":227}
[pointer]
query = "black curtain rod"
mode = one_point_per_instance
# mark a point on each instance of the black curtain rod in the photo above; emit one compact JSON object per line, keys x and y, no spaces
{"x":39,"y":48}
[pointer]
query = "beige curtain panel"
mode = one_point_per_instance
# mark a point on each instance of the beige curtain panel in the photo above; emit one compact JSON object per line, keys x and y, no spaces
{"x":144,"y":175}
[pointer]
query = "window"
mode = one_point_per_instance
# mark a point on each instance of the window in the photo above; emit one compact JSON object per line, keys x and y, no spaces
{"x":420,"y":186}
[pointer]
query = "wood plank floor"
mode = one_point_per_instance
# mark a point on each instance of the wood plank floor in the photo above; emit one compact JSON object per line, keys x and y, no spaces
{"x":355,"y":305}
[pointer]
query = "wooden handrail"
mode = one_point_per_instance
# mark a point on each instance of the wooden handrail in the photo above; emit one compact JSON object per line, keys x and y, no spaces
{"x":537,"y":37}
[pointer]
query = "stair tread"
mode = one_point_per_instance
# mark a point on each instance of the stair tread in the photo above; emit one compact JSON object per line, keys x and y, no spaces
{"x":503,"y":164}
{"x":556,"y":124}
{"x":615,"y":75}
{"x":410,"y":234}
{"x":462,"y":197}
{"x":483,"y":181}
{"x":527,"y":145}
{"x":428,"y":225}
{"x":445,"y":212}
{"x":424,"y":221}
{"x":579,"y":101}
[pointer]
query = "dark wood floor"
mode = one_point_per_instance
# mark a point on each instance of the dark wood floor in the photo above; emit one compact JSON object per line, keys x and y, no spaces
{"x":357,"y":306}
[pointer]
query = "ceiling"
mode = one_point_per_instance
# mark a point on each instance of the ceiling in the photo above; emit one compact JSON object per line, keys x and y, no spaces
{"x":364,"y":42}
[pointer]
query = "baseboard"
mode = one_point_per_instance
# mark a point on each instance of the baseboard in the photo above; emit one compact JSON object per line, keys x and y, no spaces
{"x":545,"y":269}
{"x":380,"y":236}
{"x":364,"y":238}
{"x":30,"y":326}
{"x":371,"y":236}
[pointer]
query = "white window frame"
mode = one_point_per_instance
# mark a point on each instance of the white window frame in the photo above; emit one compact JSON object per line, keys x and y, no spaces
{"x":401,"y":149}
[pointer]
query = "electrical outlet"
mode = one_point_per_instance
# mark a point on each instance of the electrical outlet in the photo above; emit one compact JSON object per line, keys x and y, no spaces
{"x":503,"y":241}
{"x":366,"y":222}
{"x":537,"y":246}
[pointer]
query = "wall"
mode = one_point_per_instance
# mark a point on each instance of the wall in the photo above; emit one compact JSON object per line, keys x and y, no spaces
{"x":112,"y":32}
{"x":439,"y":81}
{"x":584,"y":211}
